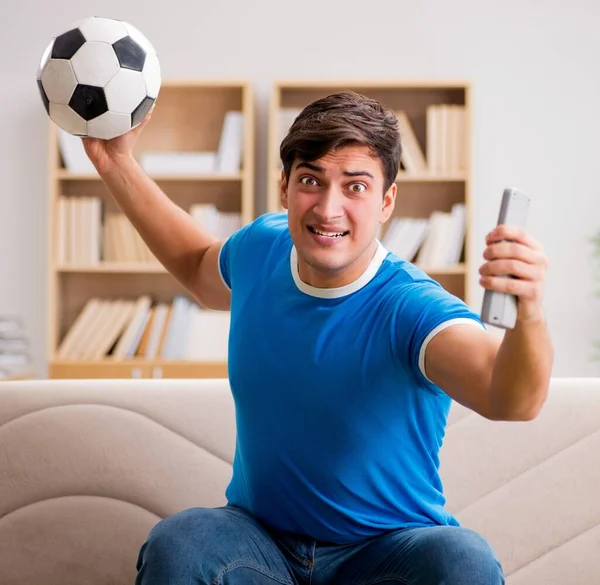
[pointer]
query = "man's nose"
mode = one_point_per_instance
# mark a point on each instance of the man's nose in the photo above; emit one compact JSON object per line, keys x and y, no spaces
{"x":329,"y":204}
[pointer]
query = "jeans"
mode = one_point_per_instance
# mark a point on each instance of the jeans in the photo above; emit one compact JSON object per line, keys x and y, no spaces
{"x":227,"y":546}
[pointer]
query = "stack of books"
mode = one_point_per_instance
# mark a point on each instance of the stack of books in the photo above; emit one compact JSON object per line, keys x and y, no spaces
{"x":436,"y":241}
{"x":142,"y":328}
{"x":15,"y":350}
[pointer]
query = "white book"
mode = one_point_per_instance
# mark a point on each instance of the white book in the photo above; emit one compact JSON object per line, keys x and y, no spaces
{"x":158,"y":324}
{"x":62,"y":231}
{"x":429,"y":253}
{"x":172,"y":349}
{"x":398,"y":239}
{"x":416,"y":237}
{"x":393,"y":229}
{"x":179,"y":163}
{"x":73,"y":222}
{"x":142,"y":307}
{"x":135,"y":342}
{"x":231,"y":143}
{"x":73,"y":154}
{"x":208,"y":335}
{"x":456,"y":233}
{"x":441,"y":224}
{"x":207,"y":215}
{"x":412,"y":155}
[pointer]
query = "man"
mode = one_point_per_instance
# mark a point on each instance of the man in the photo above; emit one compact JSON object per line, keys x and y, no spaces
{"x":343,"y":363}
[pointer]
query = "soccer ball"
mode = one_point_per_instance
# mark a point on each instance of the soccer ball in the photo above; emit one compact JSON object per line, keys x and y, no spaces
{"x":99,"y":78}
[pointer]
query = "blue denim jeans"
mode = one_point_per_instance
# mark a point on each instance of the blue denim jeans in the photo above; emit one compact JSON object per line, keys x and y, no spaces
{"x":226,"y":546}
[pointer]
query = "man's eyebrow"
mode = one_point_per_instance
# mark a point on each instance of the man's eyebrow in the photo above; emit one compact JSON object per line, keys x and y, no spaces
{"x":359,"y":174}
{"x":318,"y":169}
{"x":310,"y":166}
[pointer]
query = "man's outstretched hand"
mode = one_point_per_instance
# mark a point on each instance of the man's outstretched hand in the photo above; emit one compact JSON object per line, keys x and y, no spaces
{"x":105,"y":154}
{"x":511,"y":250}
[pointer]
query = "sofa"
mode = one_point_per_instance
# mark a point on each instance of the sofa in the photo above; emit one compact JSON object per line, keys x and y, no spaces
{"x":87,"y":467}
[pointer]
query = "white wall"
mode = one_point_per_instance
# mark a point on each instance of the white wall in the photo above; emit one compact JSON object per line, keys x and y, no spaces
{"x":536,"y":83}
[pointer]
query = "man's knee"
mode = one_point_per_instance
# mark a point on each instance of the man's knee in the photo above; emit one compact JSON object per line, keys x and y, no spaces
{"x":210,"y":545}
{"x":468,"y":559}
{"x":183,"y":543}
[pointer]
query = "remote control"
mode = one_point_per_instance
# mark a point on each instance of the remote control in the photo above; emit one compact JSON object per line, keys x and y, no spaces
{"x":500,"y":309}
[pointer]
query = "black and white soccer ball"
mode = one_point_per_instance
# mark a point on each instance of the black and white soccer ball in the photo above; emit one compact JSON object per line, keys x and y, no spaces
{"x":99,"y":78}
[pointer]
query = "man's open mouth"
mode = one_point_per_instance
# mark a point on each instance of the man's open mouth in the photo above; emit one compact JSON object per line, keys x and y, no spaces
{"x":327,"y":234}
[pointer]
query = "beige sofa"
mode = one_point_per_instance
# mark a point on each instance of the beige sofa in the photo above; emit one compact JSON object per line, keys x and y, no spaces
{"x":88,"y":467}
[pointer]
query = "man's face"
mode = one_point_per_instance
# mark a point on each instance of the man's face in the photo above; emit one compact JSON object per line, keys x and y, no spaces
{"x":335,"y":206}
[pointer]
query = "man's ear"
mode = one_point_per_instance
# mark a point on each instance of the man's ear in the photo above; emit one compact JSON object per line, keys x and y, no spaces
{"x":388,"y":203}
{"x":283,"y":187}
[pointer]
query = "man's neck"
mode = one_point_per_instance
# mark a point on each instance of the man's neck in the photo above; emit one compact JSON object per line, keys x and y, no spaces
{"x":336,"y":279}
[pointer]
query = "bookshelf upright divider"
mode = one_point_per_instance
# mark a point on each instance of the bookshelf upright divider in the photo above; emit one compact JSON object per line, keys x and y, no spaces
{"x":113,"y":309}
{"x":431,"y":222}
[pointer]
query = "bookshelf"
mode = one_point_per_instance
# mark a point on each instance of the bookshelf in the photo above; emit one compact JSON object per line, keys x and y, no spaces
{"x":199,"y":148}
{"x":431,"y":220}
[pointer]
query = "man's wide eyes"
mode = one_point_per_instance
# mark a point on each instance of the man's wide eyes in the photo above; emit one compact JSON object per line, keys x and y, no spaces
{"x":354,"y":187}
{"x":357,"y":188}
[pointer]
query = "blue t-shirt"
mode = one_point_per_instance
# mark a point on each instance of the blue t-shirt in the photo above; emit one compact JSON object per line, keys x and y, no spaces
{"x":338,"y":427}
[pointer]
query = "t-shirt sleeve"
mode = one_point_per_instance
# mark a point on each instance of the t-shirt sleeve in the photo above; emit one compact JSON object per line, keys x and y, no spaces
{"x":228,"y":253}
{"x":247,"y":247}
{"x":425,"y":309}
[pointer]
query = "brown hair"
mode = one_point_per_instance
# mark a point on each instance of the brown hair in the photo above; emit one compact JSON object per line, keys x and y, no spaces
{"x":340,"y":119}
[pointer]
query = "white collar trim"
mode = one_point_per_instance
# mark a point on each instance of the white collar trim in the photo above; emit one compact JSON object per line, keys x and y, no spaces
{"x":334,"y":293}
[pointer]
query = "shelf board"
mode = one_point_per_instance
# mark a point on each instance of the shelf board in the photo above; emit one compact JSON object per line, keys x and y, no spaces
{"x":397,"y":84}
{"x":65,"y":175}
{"x":136,"y":368}
{"x":205,"y":83}
{"x":135,"y":362}
{"x":115,"y":268}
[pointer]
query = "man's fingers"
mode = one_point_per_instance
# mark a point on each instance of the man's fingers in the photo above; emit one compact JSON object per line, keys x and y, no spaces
{"x":513,"y":233}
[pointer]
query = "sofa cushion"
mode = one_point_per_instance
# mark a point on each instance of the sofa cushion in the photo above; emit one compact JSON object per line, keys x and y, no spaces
{"x":87,"y":467}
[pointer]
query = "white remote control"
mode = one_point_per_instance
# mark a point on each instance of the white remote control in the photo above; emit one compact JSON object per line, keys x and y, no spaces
{"x":500,"y":309}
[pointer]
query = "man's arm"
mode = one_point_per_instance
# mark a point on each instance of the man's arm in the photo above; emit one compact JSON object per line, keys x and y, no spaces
{"x":499,"y":379}
{"x":504,"y":379}
{"x":184,"y":248}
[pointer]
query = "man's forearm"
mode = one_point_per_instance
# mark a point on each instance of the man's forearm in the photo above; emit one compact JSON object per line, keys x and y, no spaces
{"x":522,"y":371}
{"x":172,"y":235}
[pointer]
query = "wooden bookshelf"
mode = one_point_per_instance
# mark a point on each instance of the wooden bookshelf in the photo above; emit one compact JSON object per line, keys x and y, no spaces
{"x":137,"y":368}
{"x":189,"y":117}
{"x":438,"y":187}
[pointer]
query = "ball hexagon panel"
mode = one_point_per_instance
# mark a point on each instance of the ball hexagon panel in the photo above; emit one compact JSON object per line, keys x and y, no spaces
{"x":67,"y":119}
{"x":140,"y":112}
{"x":151,"y":74}
{"x":95,"y":64}
{"x":125,"y":91}
{"x":106,"y":30}
{"x":108,"y":125}
{"x":139,"y":38}
{"x":88,"y":101}
{"x":130,"y":54}
{"x":58,"y":80}
{"x":67,"y":44}
{"x":44,"y":59}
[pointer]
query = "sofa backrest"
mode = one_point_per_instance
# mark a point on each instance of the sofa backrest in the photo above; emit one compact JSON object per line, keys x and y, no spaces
{"x":88,"y":467}
{"x":531,"y":488}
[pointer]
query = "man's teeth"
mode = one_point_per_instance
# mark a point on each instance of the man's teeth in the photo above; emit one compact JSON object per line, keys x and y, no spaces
{"x":328,"y":234}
